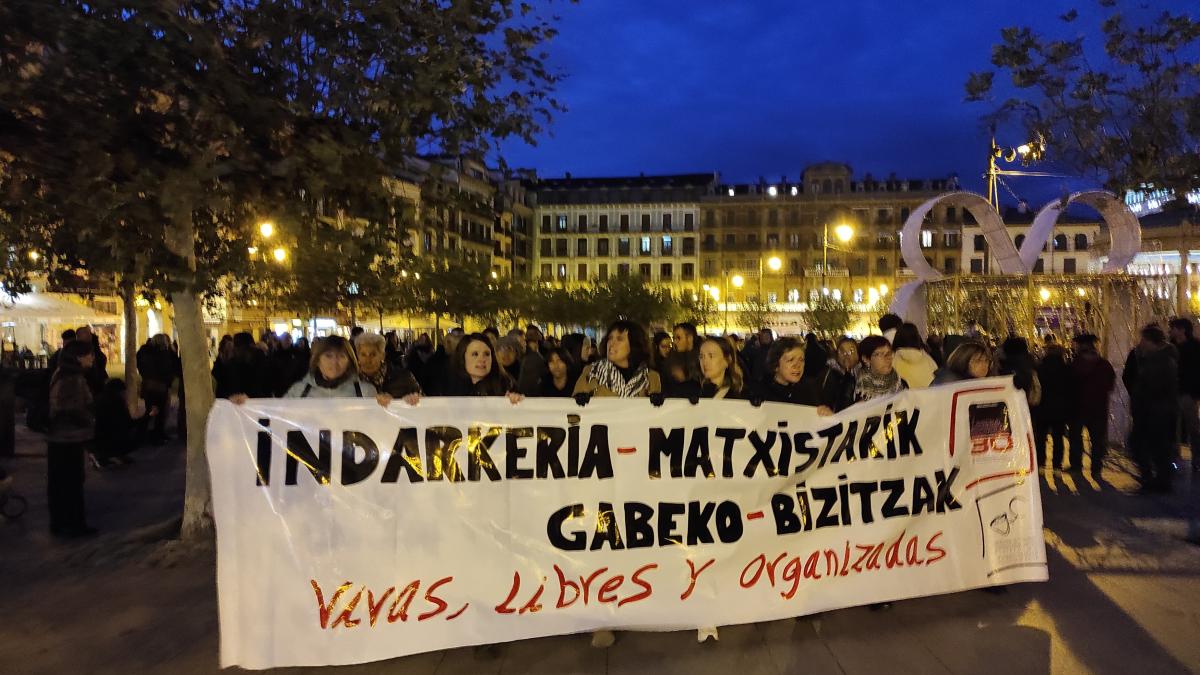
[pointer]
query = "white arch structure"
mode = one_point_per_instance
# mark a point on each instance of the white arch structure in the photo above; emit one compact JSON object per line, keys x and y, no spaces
{"x":1125,"y":234}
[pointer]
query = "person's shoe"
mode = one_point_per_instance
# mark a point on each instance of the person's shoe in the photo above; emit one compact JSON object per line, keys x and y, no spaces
{"x":703,"y":634}
{"x":603,"y":639}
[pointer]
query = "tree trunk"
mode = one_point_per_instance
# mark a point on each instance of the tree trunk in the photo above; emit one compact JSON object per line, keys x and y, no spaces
{"x":197,"y":381}
{"x":131,"y":344}
{"x":193,"y":350}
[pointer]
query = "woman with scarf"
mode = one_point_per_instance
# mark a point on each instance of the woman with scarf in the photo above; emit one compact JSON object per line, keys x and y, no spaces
{"x":878,"y":375}
{"x":625,"y":372}
{"x":377,"y":367}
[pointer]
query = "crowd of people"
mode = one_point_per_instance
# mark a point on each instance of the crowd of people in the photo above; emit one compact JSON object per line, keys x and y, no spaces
{"x":1068,"y":387}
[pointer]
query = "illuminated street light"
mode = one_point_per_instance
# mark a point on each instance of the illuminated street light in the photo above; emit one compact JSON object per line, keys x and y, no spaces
{"x":883,"y":290}
{"x":1044,"y":294}
{"x":844,"y":233}
{"x":738,"y":281}
{"x":404,"y":273}
{"x":280,"y":254}
{"x":34,"y":255}
{"x":773,"y":191}
{"x":252,"y":250}
{"x":1081,"y":292}
{"x":494,"y":275}
{"x":266,"y":230}
{"x":775,"y":263}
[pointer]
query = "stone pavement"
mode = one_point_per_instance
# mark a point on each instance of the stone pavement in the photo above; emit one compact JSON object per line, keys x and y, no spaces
{"x":1122,"y":598}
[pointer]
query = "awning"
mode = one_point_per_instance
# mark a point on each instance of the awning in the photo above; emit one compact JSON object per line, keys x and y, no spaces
{"x":46,"y":307}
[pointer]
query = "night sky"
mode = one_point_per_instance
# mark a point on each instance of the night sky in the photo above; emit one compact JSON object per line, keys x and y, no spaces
{"x":765,"y":87}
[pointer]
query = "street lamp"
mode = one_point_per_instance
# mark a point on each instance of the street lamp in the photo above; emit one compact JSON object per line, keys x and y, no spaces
{"x":844,"y":233}
{"x":280,"y":254}
{"x":266,"y":230}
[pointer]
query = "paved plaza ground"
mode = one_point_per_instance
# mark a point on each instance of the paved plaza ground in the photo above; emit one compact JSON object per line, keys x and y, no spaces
{"x":1123,"y":597}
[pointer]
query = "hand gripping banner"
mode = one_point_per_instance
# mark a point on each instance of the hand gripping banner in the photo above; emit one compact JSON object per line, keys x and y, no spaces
{"x":348,"y":532}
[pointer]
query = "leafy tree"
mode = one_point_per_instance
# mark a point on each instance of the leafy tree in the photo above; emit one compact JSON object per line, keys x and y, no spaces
{"x":181,"y":125}
{"x":827,"y":317}
{"x":628,"y":297}
{"x":1121,"y":103}
{"x":701,"y":311}
{"x":754,"y":313}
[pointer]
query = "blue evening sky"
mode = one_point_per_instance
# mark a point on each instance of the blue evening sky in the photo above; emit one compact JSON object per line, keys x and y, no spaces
{"x":755,"y":88}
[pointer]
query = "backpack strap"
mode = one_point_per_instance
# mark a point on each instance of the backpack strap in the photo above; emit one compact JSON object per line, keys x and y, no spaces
{"x":358,"y":389}
{"x":307,"y":388}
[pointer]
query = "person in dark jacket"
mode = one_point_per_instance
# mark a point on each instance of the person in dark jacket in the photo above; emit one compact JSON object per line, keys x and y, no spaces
{"x":71,"y":429}
{"x":245,"y":372}
{"x":837,"y":384}
{"x":476,"y":372}
{"x":969,"y":360}
{"x":560,"y":377}
{"x":1093,"y":379}
{"x":816,"y":358}
{"x":687,"y":345}
{"x":721,"y":370}
{"x":1014,"y":359}
{"x":158,"y":366}
{"x":787,"y":384}
{"x":387,"y":377}
{"x":754,"y":354}
{"x":1052,"y":413}
{"x":1151,"y":376}
{"x":97,"y":374}
{"x":1189,"y":384}
{"x":118,"y":432}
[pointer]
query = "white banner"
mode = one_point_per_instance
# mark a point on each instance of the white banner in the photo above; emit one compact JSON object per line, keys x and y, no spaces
{"x":348,"y":532}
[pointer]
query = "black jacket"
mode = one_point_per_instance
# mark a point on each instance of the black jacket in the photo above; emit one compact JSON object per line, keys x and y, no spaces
{"x":805,"y":392}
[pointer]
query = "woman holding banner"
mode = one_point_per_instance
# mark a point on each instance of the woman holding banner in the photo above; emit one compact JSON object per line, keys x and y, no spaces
{"x":625,"y":371}
{"x":332,"y":373}
{"x":878,"y":377}
{"x":721,"y":371}
{"x":476,"y":372}
{"x":785,"y":382}
{"x":968,"y":361}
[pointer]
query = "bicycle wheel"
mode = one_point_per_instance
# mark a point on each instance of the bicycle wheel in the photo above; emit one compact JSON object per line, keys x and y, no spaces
{"x":13,"y":507}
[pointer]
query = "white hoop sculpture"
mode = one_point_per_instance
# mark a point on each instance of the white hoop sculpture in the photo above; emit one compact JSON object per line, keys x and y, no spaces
{"x":1124,"y":230}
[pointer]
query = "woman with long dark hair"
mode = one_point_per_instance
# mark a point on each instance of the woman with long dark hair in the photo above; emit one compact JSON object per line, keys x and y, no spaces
{"x":476,"y":372}
{"x":721,"y":370}
{"x":561,"y":373}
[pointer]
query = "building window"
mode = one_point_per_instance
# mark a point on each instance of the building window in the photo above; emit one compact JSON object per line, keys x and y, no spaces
{"x":623,"y":270}
{"x":689,"y":246}
{"x":1068,"y":266}
{"x":794,"y":265}
{"x":562,"y":272}
{"x":980,"y":243}
{"x":560,"y":247}
{"x":950,"y":239}
{"x":644,"y":271}
{"x":689,"y":222}
{"x":710,"y":268}
{"x":547,"y":271}
{"x":926,"y":238}
{"x":624,"y":222}
{"x":581,"y":247}
{"x":666,"y":222}
{"x":583,"y":222}
{"x":645,"y":222}
{"x":904,"y":214}
{"x":793,"y":295}
{"x":731,"y":240}
{"x":752,"y":239}
{"x":976,"y":266}
{"x":603,"y":272}
{"x":603,"y":223}
{"x":545,"y":223}
{"x":772,"y":241}
{"x":1060,"y":242}
{"x":582,"y":274}
{"x":858,"y":295}
{"x":1039,"y":266}
{"x":881,"y":265}
{"x":664,"y":271}
{"x":948,"y":265}
{"x":859,"y":267}
{"x":623,"y":246}
{"x":951,"y":214}
{"x":562,"y":222}
{"x":1081,"y":242}
{"x":883,"y":217}
{"x":544,"y":246}
{"x":1018,"y":240}
{"x":793,"y":241}
{"x":602,"y":246}
{"x":772,"y":297}
{"x":813,"y":294}
{"x":645,"y":247}
{"x":689,"y":271}
{"x":668,"y":246}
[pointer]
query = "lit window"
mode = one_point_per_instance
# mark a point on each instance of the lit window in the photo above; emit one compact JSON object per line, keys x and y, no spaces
{"x":837,"y":294}
{"x":926,"y":238}
{"x":645,"y":247}
{"x":858,"y":295}
{"x":793,"y":295}
{"x":772,"y":297}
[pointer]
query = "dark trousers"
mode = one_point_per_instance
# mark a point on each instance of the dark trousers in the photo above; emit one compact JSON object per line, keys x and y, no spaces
{"x":1096,"y":425}
{"x":1058,"y":433}
{"x":157,"y":395}
{"x":64,"y":486}
{"x":1154,"y":439}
